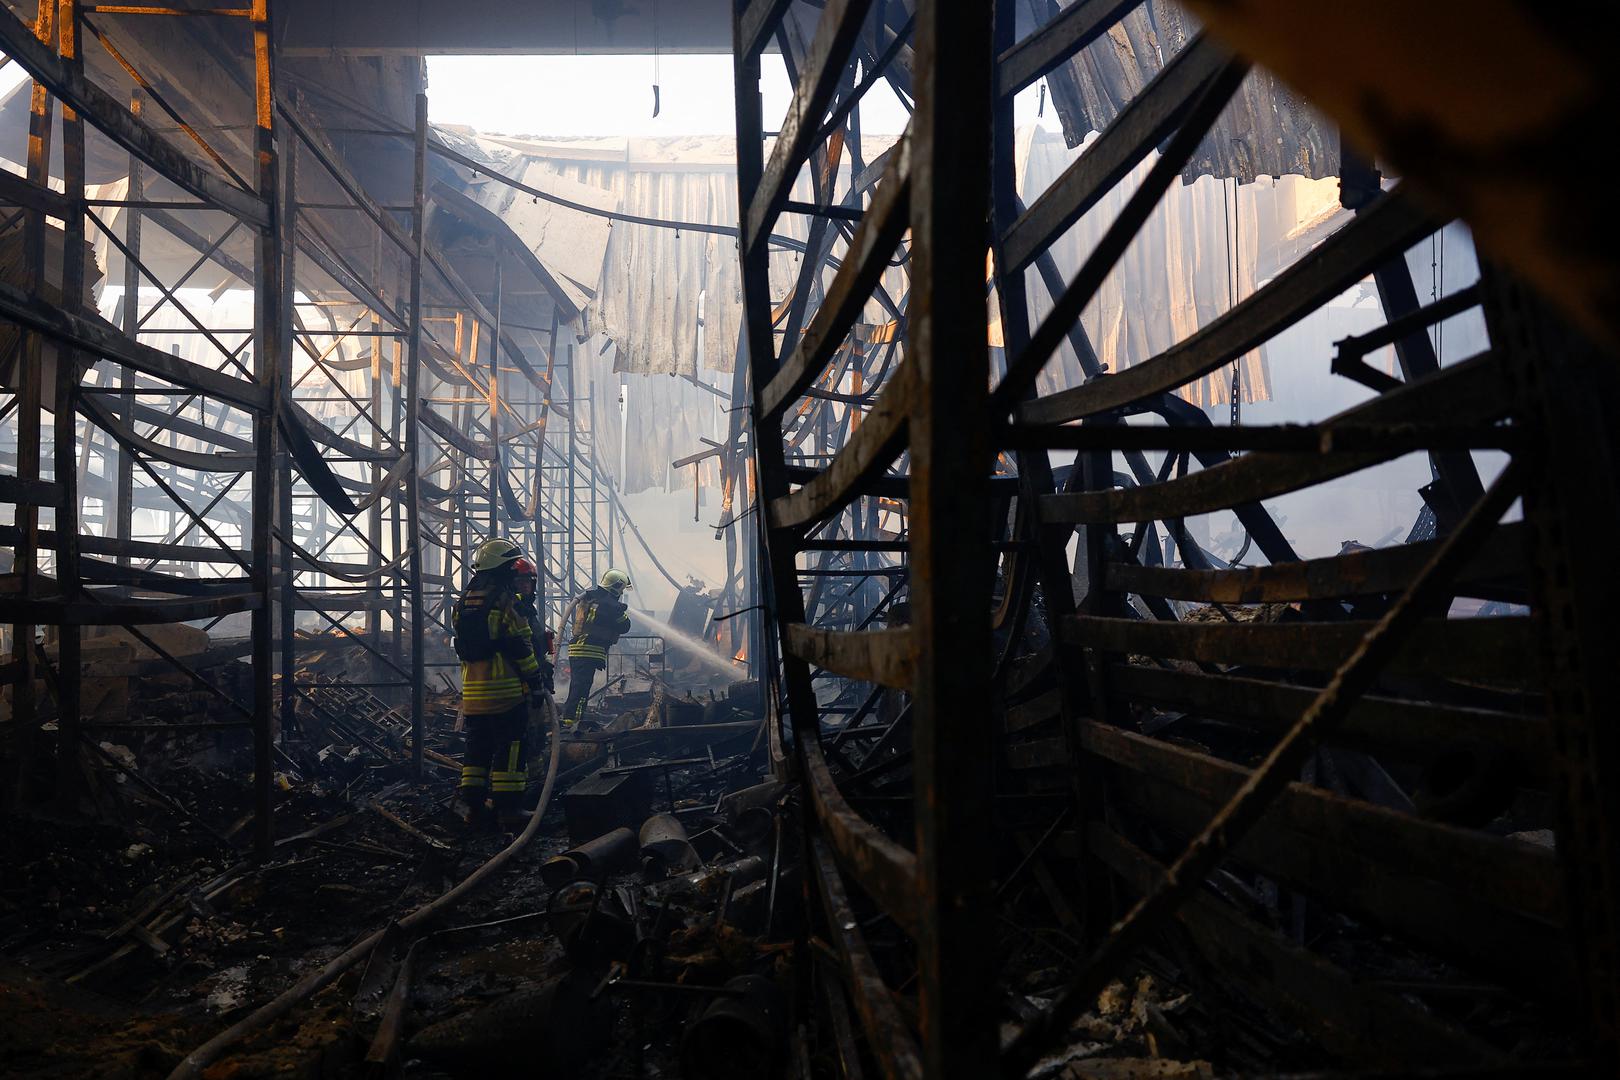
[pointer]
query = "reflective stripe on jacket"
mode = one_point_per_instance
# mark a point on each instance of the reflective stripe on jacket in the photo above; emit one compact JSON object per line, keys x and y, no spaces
{"x":500,"y":682}
{"x":600,"y":619}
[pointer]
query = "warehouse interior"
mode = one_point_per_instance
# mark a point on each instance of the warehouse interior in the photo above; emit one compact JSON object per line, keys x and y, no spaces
{"x":1107,"y":499}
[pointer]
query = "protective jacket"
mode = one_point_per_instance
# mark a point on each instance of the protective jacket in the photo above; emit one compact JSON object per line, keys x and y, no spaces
{"x":495,"y":642}
{"x":600,"y":620}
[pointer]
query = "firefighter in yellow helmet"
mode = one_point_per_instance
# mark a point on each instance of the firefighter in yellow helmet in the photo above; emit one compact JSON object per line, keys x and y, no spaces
{"x":599,"y":617}
{"x":502,"y":675}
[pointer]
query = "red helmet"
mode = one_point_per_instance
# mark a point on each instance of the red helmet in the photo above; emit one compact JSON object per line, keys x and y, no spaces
{"x":522,"y":567}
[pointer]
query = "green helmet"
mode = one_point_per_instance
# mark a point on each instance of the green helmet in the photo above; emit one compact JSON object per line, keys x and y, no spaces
{"x":616,"y":581}
{"x":496,"y":553}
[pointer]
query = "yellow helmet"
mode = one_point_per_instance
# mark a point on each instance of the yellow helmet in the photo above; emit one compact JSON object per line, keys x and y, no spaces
{"x":616,"y":581}
{"x":496,"y":553}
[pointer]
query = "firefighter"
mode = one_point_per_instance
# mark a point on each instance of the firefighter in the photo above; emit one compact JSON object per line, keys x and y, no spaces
{"x":599,"y":617}
{"x":501,"y":677}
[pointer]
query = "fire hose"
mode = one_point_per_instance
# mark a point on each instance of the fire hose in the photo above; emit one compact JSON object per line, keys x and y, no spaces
{"x":194,"y":1063}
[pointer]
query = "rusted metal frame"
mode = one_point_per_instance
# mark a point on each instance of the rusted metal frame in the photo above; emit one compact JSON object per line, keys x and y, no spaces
{"x":823,"y":168}
{"x":871,"y":74}
{"x":1469,"y":392}
{"x":106,"y":545}
{"x":1570,"y":393}
{"x":347,"y":521}
{"x":100,"y":572}
{"x":335,"y":266}
{"x":890,"y":1040}
{"x":1353,"y":677}
{"x":1254,"y":518}
{"x":887,"y":870}
{"x":323,"y":151}
{"x":1023,"y":369}
{"x":1490,"y":869}
{"x":58,"y":612}
{"x":857,"y":465}
{"x":836,"y":1002}
{"x":69,"y":782}
{"x":1347,"y":1018}
{"x":319,"y":362}
{"x":1143,"y":124}
{"x":1050,"y":568}
{"x":115,"y":121}
{"x":1392,"y":224}
{"x":1075,"y":27}
{"x":100,"y":339}
{"x":1490,"y":650}
{"x":196,"y":461}
{"x":148,"y":9}
{"x":175,"y":536}
{"x":307,"y":341}
{"x":1398,"y":874}
{"x":470,"y":300}
{"x":162,"y":103}
{"x":413,"y":478}
{"x":757,"y":20}
{"x":1408,"y":730}
{"x":169,"y":291}
{"x":1457,"y":484}
{"x":1351,"y":351}
{"x":880,"y":656}
{"x":268,"y":357}
{"x":880,"y":230}
{"x":168,"y":294}
{"x":950,"y":553}
{"x":286,"y":566}
{"x":836,"y":30}
{"x":172,"y":225}
{"x":197,"y":519}
{"x":1502,"y":558}
{"x":24,"y":193}
{"x":30,"y":492}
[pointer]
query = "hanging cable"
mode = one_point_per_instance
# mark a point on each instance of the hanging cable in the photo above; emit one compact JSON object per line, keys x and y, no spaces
{"x":656,"y":79}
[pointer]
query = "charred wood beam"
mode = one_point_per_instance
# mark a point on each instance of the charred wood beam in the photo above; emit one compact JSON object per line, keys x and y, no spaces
{"x":1444,"y":888}
{"x":1493,"y":651}
{"x":1417,"y":731}
{"x":880,"y":656}
{"x":1345,"y":1016}
{"x":1502,"y":558}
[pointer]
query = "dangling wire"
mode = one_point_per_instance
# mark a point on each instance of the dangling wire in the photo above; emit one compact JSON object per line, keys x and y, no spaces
{"x":656,"y":79}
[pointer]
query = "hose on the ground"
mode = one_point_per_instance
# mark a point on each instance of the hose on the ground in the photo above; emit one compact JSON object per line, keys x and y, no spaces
{"x":192,"y":1065}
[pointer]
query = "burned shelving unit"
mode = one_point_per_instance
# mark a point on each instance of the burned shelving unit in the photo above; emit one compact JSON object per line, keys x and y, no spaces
{"x":405,"y":345}
{"x":1254,"y":773}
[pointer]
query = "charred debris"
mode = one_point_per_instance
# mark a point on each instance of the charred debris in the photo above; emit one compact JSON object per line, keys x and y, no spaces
{"x":1158,"y":496}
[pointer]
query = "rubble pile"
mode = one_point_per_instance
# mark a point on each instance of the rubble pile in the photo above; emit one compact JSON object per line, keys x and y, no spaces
{"x":645,"y":930}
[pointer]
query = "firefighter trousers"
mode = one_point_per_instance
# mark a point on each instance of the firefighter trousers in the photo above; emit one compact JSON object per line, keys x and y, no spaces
{"x":496,"y":763}
{"x":581,"y":674}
